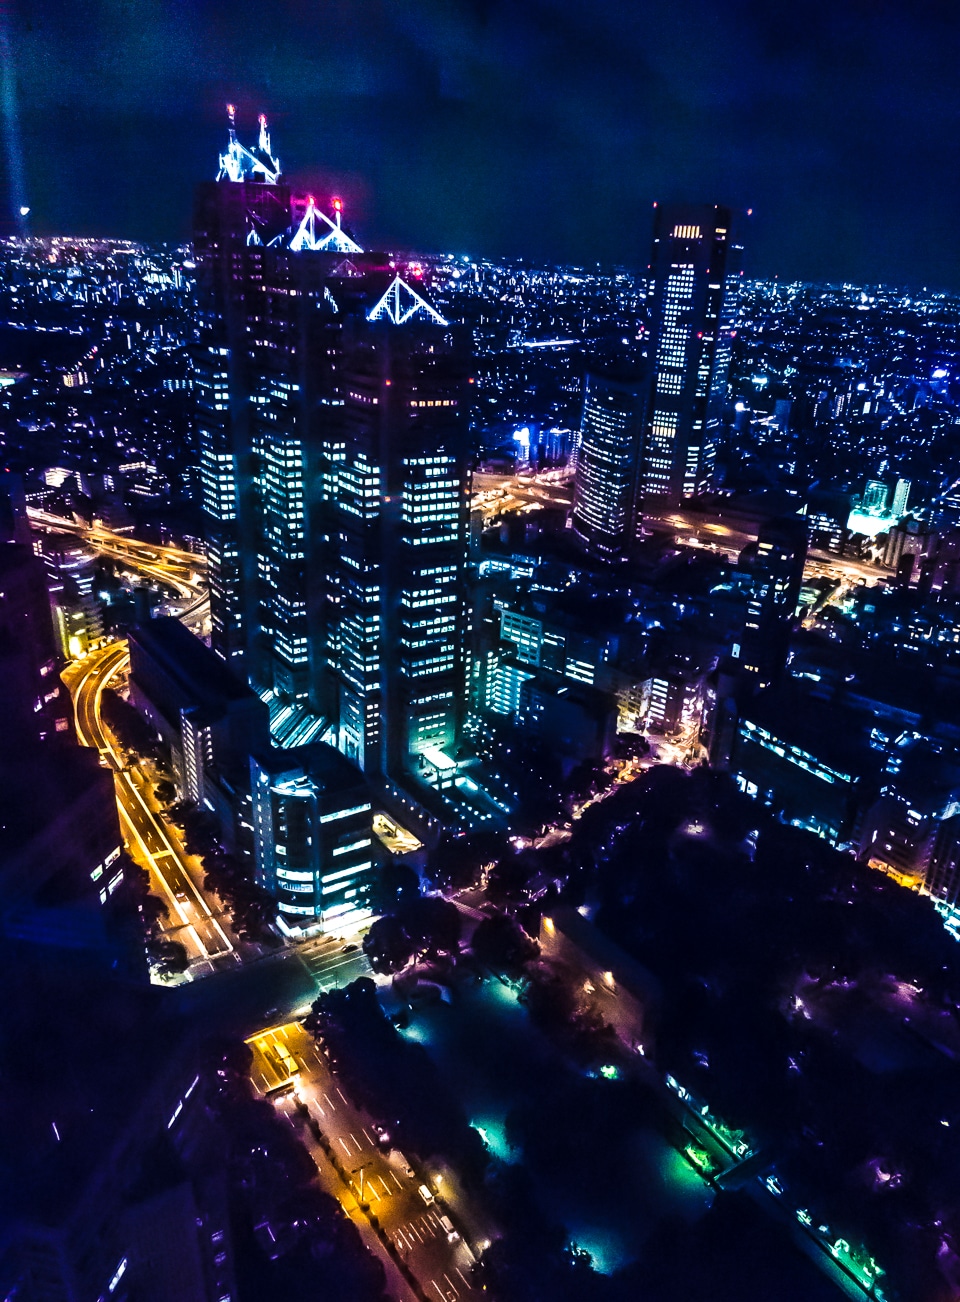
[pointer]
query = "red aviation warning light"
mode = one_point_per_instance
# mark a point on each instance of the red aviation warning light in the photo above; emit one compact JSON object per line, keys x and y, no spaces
{"x":338,"y":205}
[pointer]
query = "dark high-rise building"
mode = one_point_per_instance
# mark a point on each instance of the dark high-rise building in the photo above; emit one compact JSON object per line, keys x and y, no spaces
{"x":335,"y":475}
{"x":608,"y":464}
{"x":691,"y":293}
{"x":776,"y":576}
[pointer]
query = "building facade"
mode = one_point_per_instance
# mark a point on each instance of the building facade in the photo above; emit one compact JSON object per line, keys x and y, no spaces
{"x":313,"y":836}
{"x":694,"y":271}
{"x":335,"y":476}
{"x":776,"y":573}
{"x":608,"y":465}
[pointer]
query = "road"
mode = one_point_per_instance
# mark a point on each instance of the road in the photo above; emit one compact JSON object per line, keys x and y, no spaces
{"x":496,"y":495}
{"x":180,"y":570}
{"x":374,"y":1178}
{"x":194,"y":922}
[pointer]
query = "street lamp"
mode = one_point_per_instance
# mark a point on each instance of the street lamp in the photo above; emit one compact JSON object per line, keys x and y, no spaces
{"x":359,"y":1171}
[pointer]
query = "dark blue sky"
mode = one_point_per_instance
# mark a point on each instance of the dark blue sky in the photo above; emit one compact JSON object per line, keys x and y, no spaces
{"x":533,"y":128}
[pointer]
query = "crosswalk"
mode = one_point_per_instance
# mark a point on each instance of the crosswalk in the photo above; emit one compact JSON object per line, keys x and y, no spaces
{"x":329,"y":966}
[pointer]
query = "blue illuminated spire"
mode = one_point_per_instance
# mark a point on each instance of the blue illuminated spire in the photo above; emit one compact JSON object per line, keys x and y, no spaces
{"x":242,"y":164}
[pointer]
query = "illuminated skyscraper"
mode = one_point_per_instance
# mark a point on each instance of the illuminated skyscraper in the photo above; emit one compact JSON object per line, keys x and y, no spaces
{"x":335,"y":475}
{"x":230,"y":221}
{"x":608,"y":463}
{"x":691,"y":292}
{"x":396,"y":517}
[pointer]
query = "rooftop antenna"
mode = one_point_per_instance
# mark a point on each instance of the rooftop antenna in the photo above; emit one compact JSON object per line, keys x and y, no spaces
{"x":232,"y":120}
{"x":264,"y":141}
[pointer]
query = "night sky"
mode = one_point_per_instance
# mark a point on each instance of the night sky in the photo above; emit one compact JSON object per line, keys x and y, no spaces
{"x":541,"y":129}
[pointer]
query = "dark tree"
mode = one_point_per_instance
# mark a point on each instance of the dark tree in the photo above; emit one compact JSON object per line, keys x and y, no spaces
{"x":503,"y":945}
{"x":433,"y":925}
{"x":387,"y":946}
{"x":394,"y":885}
{"x":457,"y":861}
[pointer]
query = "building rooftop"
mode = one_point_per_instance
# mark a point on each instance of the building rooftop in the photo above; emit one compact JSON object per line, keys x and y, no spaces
{"x":324,"y":764}
{"x":191,"y":662}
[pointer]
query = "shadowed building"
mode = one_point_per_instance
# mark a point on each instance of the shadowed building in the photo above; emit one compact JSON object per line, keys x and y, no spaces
{"x":776,"y":573}
{"x":210,"y":720}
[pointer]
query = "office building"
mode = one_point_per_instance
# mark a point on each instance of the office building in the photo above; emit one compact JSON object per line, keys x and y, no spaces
{"x":608,"y":464}
{"x":313,"y":836}
{"x":61,"y":862}
{"x":692,"y":282}
{"x":396,"y":517}
{"x":234,"y":220}
{"x":335,"y":475}
{"x":942,"y":881}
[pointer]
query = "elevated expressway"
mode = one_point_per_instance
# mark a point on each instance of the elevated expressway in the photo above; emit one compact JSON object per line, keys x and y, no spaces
{"x":174,"y":874}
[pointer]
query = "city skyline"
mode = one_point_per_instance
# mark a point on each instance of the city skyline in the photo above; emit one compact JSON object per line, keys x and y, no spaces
{"x":800,"y":121}
{"x":480,"y":802}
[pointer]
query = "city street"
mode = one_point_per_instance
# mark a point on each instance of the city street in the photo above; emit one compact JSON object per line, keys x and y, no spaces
{"x":376,"y":1179}
{"x":333,"y":961}
{"x":193,"y":921}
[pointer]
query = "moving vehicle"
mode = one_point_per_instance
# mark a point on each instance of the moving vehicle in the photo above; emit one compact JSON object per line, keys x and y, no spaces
{"x":447,"y":1226}
{"x":426,"y":1193}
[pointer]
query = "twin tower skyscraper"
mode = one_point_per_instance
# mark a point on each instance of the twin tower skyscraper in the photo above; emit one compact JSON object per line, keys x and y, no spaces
{"x":648,"y":441}
{"x":335,"y":473}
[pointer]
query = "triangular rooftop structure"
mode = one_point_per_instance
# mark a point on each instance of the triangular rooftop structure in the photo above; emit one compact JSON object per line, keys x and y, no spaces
{"x":317,"y":232}
{"x":240,"y":163}
{"x":401,"y":304}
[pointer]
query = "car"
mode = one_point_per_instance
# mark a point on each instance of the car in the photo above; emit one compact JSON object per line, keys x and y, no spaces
{"x":349,"y":949}
{"x":426,"y":1193}
{"x":447,"y":1226}
{"x":181,"y":896}
{"x":405,"y":1166}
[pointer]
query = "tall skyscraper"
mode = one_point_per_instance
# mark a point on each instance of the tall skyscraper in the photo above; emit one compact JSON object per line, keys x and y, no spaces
{"x":608,"y":463}
{"x":691,"y":294}
{"x":777,"y":573}
{"x":395,"y":514}
{"x":335,"y":474}
{"x":235,"y":219}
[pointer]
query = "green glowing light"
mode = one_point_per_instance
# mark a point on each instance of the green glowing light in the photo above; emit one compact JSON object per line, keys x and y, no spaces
{"x":701,"y":1159}
{"x":609,"y":1072}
